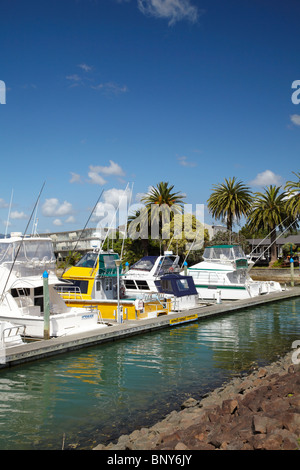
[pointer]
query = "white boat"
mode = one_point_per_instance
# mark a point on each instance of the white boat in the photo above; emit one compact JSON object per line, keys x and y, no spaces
{"x":224,"y":274}
{"x":141,"y":277}
{"x":23,"y":260}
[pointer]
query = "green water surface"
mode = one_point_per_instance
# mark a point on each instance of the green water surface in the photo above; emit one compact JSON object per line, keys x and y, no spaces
{"x":92,"y":396}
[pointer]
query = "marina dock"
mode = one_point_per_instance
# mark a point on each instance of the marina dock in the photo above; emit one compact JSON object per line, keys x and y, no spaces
{"x":42,"y":349}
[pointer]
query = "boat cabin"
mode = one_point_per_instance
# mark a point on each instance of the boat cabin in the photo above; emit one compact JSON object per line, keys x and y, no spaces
{"x":93,"y":277}
{"x":226,"y":254}
{"x":141,"y":275}
{"x":181,"y":288}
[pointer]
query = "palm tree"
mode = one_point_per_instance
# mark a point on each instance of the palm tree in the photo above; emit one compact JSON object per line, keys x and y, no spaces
{"x":162,"y":194}
{"x":138,"y":226}
{"x":162,"y":203}
{"x":293,"y":201}
{"x":230,"y":200}
{"x":268,"y":212}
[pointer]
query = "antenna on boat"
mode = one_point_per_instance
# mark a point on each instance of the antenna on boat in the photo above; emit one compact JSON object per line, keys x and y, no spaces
{"x":22,"y":239}
{"x":201,"y":228}
{"x":294,"y":222}
{"x":12,"y":191}
{"x":35,"y":222}
{"x":91,"y":213}
{"x":111,"y":224}
{"x":121,"y":256}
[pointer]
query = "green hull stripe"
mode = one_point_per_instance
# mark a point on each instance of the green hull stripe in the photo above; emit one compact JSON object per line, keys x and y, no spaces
{"x":209,"y":269}
{"x":219,"y":287}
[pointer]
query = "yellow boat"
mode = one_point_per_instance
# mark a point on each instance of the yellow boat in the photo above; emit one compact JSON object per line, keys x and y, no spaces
{"x":94,"y":281}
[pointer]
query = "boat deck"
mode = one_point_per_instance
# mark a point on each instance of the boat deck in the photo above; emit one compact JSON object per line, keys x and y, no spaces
{"x":42,"y":349}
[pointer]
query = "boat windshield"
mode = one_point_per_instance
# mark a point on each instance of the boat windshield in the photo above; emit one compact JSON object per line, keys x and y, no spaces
{"x":223,"y":253}
{"x":89,"y":260}
{"x":27,"y":250}
{"x":109,"y":260}
{"x":145,"y":264}
{"x":165,"y":264}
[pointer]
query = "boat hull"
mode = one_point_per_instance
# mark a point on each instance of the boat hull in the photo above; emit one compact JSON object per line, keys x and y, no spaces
{"x":60,"y":325}
{"x":236,"y":292}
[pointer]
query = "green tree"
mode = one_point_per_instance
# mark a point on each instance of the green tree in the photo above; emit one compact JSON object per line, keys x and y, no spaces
{"x":268,"y":212}
{"x":162,"y":194}
{"x":230,"y":201}
{"x":138,"y":224}
{"x":184,"y":234}
{"x":230,"y":238}
{"x":161,"y":204}
{"x":293,"y":191}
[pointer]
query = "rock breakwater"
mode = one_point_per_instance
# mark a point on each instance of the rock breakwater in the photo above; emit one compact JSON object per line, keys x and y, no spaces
{"x":258,"y":412}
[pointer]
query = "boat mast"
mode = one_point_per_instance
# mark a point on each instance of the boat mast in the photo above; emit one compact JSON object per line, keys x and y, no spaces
{"x":79,"y":238}
{"x":12,"y":191}
{"x":20,"y":244}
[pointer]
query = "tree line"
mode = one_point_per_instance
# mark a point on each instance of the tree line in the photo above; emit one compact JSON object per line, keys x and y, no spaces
{"x":276,"y":208}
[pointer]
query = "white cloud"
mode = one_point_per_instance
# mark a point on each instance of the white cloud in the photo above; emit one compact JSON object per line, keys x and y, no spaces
{"x":95,"y":178}
{"x":57,"y":222}
{"x":111,"y":88}
{"x":266,"y":178}
{"x":53,"y":208}
{"x":74,"y":77}
{"x":96,"y":172}
{"x":85,"y":67}
{"x":75,"y":178}
{"x":183,"y":161}
{"x":116,"y":196}
{"x":3,"y":203}
{"x":295,"y":118}
{"x":113,"y":210}
{"x":18,"y":215}
{"x":173,"y":10}
{"x":112,"y":169}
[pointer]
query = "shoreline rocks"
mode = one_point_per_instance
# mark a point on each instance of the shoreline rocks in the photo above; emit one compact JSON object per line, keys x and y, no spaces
{"x":258,"y":412}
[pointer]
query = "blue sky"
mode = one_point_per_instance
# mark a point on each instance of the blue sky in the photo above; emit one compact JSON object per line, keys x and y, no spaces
{"x":105,"y":93}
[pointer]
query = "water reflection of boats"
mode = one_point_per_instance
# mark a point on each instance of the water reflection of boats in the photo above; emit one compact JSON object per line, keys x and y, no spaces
{"x":23,"y":260}
{"x":225,"y":272}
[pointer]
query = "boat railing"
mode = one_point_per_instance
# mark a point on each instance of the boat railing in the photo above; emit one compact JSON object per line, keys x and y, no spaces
{"x":220,"y":260}
{"x":69,"y":292}
{"x":207,"y":276}
{"x":136,"y":275}
{"x":159,"y":307}
{"x":108,"y":272}
{"x":10,"y":332}
{"x":26,"y":305}
{"x":30,"y":268}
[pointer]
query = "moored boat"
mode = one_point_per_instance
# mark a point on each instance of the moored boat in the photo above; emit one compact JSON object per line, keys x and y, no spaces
{"x":97,"y":280}
{"x":224,"y":273}
{"x":141,"y":276}
{"x":23,"y":260}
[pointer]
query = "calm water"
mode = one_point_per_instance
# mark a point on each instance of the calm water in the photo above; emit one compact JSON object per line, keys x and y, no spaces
{"x":97,"y":394}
